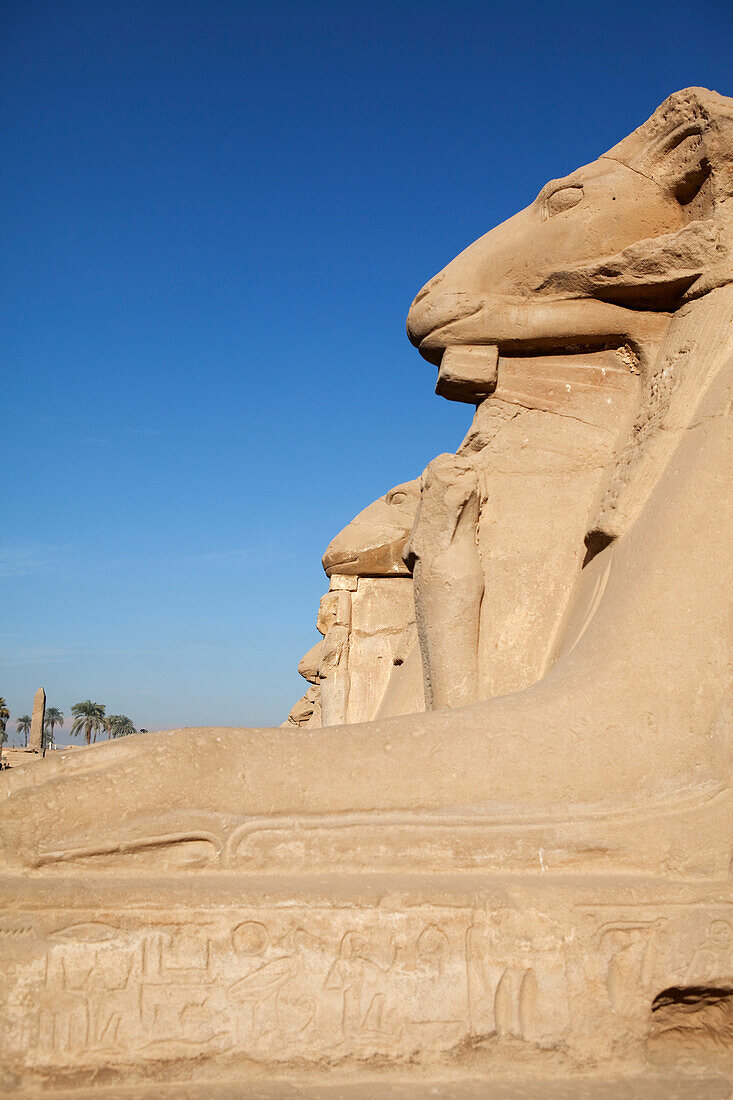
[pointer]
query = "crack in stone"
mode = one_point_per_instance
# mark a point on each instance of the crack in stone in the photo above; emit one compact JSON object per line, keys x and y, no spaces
{"x":555,"y":412}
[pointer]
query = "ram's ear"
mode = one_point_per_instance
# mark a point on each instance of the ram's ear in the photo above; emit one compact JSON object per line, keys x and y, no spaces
{"x":686,"y":147}
{"x":681,"y":162}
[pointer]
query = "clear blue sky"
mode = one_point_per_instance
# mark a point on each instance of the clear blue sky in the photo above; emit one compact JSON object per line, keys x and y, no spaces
{"x":215,"y":218}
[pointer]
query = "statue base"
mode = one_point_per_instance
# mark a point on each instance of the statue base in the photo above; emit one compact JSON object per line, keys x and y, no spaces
{"x":272,"y":985}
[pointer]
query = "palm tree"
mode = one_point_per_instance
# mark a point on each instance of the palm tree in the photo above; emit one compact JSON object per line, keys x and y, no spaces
{"x":54,"y":717}
{"x":23,"y":725}
{"x":119,"y":725}
{"x":88,"y":716}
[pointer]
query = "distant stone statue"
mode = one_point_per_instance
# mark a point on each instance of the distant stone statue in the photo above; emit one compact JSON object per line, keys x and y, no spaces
{"x":502,"y":814}
{"x":361,"y":669}
{"x":35,"y":738}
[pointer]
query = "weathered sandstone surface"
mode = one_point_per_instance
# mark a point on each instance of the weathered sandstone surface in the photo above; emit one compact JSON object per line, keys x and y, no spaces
{"x":494,"y":840}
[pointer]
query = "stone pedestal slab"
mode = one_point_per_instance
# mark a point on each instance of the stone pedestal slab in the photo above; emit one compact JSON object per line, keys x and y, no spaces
{"x":214,"y":978}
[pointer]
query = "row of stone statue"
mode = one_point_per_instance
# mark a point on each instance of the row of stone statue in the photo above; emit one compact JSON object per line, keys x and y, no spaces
{"x":449,"y":589}
{"x":585,"y":331}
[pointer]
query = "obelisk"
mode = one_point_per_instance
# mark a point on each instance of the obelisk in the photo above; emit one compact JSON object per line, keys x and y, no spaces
{"x":35,"y":741}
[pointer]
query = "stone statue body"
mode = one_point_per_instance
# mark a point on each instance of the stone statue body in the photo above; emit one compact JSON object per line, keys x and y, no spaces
{"x":570,"y":443}
{"x":619,"y":272}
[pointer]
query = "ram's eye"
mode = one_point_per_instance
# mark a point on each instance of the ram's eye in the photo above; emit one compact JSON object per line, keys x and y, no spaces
{"x":565,"y":198}
{"x":397,"y":498}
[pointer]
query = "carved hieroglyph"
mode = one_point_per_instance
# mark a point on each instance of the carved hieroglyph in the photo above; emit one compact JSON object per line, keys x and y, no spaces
{"x":535,"y":869}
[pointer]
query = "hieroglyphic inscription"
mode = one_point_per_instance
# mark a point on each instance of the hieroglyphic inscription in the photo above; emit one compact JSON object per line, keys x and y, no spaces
{"x":271,"y":984}
{"x":277,"y":983}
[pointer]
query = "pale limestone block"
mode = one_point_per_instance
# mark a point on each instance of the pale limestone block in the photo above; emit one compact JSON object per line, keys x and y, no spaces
{"x":382,"y":605}
{"x":339,"y":581}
